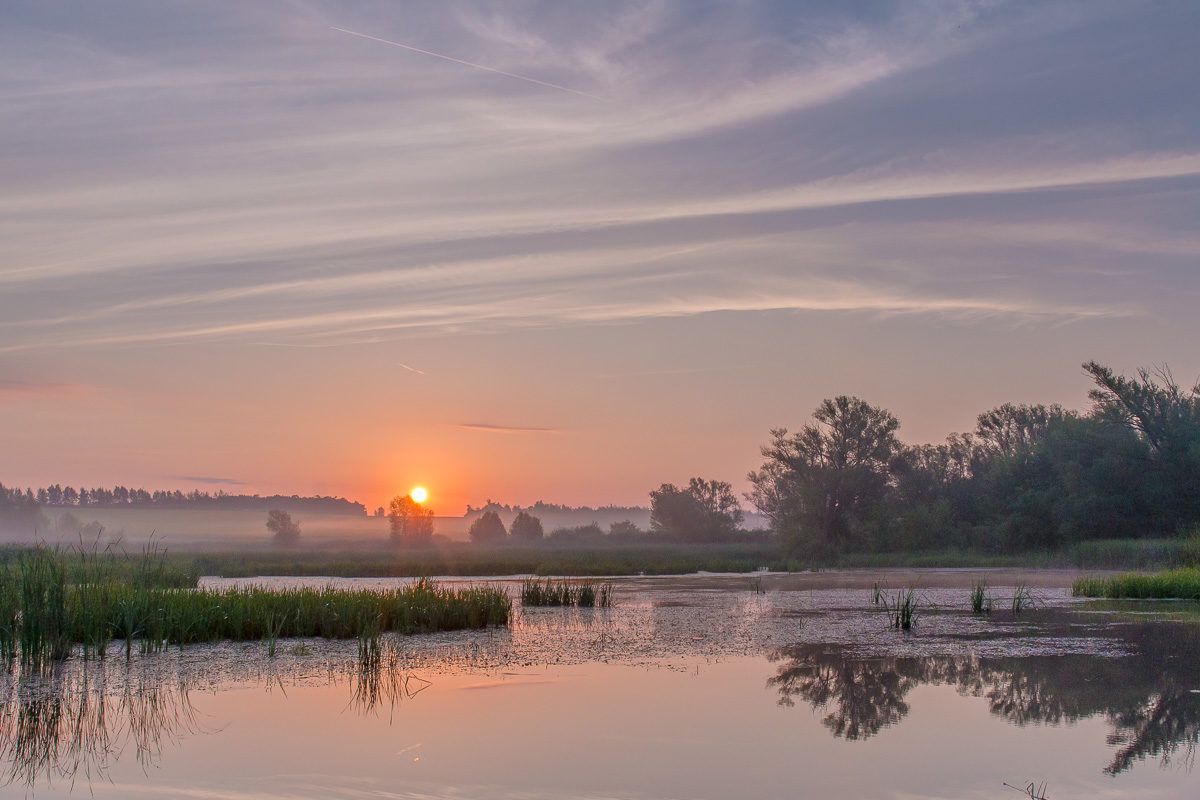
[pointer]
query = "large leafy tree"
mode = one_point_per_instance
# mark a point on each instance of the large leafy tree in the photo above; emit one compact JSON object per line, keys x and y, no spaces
{"x":1166,"y":416}
{"x":819,"y":485}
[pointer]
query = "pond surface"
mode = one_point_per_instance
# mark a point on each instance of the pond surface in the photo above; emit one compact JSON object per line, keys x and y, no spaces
{"x":690,"y":687}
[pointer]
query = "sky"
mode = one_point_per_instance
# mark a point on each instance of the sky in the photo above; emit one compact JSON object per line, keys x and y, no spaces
{"x":571,"y":250}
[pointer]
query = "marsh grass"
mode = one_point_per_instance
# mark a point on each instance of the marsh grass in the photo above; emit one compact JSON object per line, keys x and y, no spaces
{"x":878,"y":599}
{"x":902,"y":611}
{"x":981,"y":603}
{"x":1022,"y":599}
{"x":1176,"y":584}
{"x":584,"y":594}
{"x":44,"y":632}
{"x":274,"y":628}
{"x":51,"y":601}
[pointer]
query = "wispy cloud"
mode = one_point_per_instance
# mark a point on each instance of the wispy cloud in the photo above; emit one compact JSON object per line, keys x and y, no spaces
{"x":18,"y":388}
{"x":208,"y":479}
{"x":470,"y":64}
{"x":422,"y":199}
{"x":492,"y":428}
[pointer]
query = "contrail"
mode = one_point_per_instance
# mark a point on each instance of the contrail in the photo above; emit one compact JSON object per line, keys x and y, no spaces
{"x":525,"y":78}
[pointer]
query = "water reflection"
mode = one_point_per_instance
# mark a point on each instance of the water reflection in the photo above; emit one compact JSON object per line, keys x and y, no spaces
{"x":1150,"y":699}
{"x":75,"y":723}
{"x":381,"y":681}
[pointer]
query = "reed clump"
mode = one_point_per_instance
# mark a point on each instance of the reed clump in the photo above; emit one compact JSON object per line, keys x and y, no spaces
{"x":51,"y":601}
{"x":1022,"y":598}
{"x":981,"y":603}
{"x":902,"y":611}
{"x":1176,"y":584}
{"x":584,"y":594}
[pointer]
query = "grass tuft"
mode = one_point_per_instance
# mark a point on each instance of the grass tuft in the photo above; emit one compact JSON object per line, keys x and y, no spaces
{"x":980,"y":602}
{"x":1022,"y":598}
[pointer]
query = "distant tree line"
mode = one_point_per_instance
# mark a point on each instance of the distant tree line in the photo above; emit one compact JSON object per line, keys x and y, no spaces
{"x":124,"y":497}
{"x":705,"y":511}
{"x":19,"y":509}
{"x":1028,"y":476}
{"x":542,"y":508}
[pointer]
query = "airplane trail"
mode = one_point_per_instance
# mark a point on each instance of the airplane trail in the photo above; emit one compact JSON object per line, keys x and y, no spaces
{"x":525,"y":78}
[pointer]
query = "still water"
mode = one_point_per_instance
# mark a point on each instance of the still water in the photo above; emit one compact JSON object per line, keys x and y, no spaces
{"x":691,"y":687}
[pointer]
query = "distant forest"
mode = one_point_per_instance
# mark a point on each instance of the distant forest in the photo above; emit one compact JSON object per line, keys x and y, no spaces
{"x":57,"y":496}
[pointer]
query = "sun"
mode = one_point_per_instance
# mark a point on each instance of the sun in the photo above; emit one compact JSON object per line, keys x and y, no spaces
{"x":419,"y":494}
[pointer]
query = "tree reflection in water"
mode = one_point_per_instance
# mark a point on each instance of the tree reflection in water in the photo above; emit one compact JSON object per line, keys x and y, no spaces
{"x":1149,"y":699}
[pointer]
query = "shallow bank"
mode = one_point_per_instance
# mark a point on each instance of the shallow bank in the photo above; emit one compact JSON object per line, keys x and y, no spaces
{"x":467,"y":560}
{"x":1178,"y":584}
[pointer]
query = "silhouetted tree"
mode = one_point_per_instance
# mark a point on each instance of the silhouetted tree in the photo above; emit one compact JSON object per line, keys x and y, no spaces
{"x":411,"y":523}
{"x":705,"y":511}
{"x":722,"y":513}
{"x":578,"y":535}
{"x":283,"y":528}
{"x":675,"y":512}
{"x":488,"y":528}
{"x":1167,"y":417}
{"x":527,"y":528}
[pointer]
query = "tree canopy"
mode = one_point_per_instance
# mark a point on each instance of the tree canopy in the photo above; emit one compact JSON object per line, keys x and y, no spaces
{"x":1028,"y":476}
{"x":527,"y":528}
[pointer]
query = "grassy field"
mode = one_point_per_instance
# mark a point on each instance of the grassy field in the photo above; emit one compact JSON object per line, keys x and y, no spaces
{"x":1095,"y":554}
{"x":1176,"y":584}
{"x":661,"y":559}
{"x":470,"y":560}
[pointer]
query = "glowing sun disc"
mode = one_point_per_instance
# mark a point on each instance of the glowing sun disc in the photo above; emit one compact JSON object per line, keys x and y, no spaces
{"x":419,"y":494}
